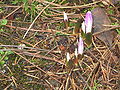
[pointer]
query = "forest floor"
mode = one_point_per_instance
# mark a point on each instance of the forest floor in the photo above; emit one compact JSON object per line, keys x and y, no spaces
{"x":35,"y":39}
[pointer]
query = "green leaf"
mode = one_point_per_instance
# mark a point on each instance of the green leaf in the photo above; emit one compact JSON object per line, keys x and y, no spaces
{"x":1,"y":2}
{"x":26,"y":7}
{"x":83,"y":35}
{"x":69,"y":65}
{"x":1,"y":9}
{"x":88,"y":39}
{"x":2,"y":52}
{"x":6,"y":58}
{"x":1,"y":30}
{"x":60,"y":34}
{"x":0,"y":57}
{"x":3,"y":22}
{"x":24,"y":1}
{"x":33,"y":60}
{"x":9,"y":52}
{"x":118,"y":30}
{"x":14,"y":2}
{"x":77,"y":26}
{"x":2,"y":63}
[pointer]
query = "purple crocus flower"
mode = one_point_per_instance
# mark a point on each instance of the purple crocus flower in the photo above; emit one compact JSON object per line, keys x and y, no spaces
{"x":80,"y":46}
{"x":88,"y":22}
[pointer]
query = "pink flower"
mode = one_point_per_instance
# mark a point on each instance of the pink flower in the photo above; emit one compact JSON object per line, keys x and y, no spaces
{"x":80,"y":46}
{"x":88,"y":22}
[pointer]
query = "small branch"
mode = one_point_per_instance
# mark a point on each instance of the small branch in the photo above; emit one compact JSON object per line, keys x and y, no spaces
{"x":81,"y":6}
{"x":12,"y":12}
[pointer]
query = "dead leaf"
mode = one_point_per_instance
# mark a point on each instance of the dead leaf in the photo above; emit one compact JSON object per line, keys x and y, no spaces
{"x":101,"y":18}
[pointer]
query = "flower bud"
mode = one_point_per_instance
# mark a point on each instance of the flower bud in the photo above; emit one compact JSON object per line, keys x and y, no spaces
{"x":80,"y":46}
{"x":88,"y":22}
{"x":68,"y":56}
{"x":65,"y":16}
{"x":76,"y":52}
{"x":66,"y":21}
{"x":83,"y":27}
